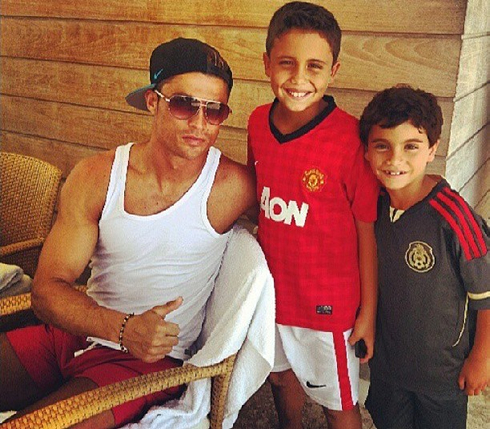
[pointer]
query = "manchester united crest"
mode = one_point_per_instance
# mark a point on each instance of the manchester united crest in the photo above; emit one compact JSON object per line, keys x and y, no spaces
{"x":313,"y":180}
{"x":419,"y":257}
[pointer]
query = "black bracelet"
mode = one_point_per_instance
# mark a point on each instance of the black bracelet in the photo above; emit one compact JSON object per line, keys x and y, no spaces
{"x":121,"y":332}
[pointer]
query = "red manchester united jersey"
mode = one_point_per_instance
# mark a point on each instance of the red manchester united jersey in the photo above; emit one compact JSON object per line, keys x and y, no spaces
{"x":311,"y":185}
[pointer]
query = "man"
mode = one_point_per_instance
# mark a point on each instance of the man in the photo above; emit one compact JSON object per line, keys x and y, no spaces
{"x":153,"y":219}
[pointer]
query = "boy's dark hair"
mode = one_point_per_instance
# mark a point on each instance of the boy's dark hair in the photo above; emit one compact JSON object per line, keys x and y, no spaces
{"x":394,"y":106}
{"x":305,"y":16}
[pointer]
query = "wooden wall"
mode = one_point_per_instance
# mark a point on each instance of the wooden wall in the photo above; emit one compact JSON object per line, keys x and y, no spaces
{"x":66,"y":67}
{"x":467,"y":163}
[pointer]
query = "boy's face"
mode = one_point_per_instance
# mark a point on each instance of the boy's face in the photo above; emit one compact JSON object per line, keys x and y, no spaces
{"x":300,"y":69}
{"x":399,"y":157}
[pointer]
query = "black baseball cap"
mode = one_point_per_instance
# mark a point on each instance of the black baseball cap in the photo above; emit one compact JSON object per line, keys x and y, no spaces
{"x":181,"y":56}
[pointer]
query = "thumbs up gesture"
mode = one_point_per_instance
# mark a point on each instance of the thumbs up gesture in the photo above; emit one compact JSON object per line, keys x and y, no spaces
{"x":149,"y":336}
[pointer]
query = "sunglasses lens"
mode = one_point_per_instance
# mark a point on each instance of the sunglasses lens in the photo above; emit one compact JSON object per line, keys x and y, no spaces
{"x":183,"y":107}
{"x":216,"y":112}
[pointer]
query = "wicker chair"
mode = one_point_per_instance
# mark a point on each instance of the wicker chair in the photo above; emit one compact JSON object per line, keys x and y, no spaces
{"x":28,"y":192}
{"x":68,"y":412}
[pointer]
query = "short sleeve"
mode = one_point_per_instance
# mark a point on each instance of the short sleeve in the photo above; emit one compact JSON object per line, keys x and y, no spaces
{"x":474,"y":263}
{"x":362,"y":188}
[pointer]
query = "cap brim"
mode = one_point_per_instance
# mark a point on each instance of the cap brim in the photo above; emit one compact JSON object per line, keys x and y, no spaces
{"x":137,"y":98}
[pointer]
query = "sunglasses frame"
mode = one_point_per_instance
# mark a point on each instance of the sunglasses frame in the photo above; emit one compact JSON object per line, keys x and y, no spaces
{"x":202,"y":103}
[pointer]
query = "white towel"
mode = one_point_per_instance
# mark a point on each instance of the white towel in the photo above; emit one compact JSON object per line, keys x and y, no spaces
{"x":240,"y":317}
{"x":13,"y":281}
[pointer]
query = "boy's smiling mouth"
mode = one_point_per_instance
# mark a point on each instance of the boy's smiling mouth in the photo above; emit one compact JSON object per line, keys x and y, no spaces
{"x":394,"y":173}
{"x":298,"y":94}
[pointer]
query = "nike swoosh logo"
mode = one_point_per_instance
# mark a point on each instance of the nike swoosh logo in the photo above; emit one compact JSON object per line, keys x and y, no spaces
{"x":158,"y":73}
{"x":314,"y":386}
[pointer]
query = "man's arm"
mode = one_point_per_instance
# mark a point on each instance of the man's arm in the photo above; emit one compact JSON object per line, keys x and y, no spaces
{"x":67,"y":251}
{"x":475,"y":374}
{"x":232,"y":195}
{"x":364,"y":327}
{"x":65,"y":254}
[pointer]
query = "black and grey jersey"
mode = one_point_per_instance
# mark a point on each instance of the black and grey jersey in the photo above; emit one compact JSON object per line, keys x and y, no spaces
{"x":433,"y":275}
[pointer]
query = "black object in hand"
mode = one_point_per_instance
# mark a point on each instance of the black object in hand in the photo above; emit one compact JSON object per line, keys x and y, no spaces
{"x":360,"y":349}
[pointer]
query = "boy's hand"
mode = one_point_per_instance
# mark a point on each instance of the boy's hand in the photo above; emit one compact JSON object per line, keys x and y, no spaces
{"x":363,"y":329}
{"x":475,"y":374}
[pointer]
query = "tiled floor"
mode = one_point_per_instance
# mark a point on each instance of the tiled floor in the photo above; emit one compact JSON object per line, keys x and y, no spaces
{"x":259,"y":412}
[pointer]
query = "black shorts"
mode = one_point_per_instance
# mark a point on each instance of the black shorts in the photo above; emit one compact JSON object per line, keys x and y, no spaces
{"x":392,"y":407}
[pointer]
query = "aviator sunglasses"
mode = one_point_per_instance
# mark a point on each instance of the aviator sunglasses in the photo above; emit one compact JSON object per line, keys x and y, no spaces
{"x":185,"y":107}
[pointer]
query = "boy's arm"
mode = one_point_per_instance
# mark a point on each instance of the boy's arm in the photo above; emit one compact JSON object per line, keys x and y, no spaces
{"x":475,"y":374}
{"x":365,"y":323}
{"x":253,"y":212}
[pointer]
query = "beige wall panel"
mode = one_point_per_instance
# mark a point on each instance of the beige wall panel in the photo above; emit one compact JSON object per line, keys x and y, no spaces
{"x":368,"y":62}
{"x":248,"y":95}
{"x":94,"y":127}
{"x":477,"y":188}
{"x":470,"y":115}
{"x":73,"y":124}
{"x":461,"y":167}
{"x":483,"y":207}
{"x":377,"y":62}
{"x":416,"y":16}
{"x":233,"y":143}
{"x":474,"y":66}
{"x":82,"y":84}
{"x":63,"y":155}
{"x":105,"y":87}
{"x":477,"y":17}
{"x":438,"y":166}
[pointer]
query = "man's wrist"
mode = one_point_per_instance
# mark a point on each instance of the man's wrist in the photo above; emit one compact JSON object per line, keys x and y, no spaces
{"x":123,"y":348}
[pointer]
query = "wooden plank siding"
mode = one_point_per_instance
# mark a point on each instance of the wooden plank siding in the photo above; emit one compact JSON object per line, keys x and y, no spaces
{"x":468,"y":151}
{"x":66,"y":66}
{"x":479,"y":185}
{"x":359,"y":15}
{"x":369,"y":62}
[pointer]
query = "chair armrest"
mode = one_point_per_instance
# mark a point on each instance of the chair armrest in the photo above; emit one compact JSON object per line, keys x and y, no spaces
{"x":73,"y":410}
{"x":20,"y":246}
{"x":17,"y":303}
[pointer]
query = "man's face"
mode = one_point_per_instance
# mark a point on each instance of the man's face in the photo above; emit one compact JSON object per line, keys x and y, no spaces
{"x":186,"y":138}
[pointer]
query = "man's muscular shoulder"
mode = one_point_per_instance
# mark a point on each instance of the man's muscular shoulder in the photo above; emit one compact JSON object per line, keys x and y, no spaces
{"x":86,"y":186}
{"x":232,"y":194}
{"x":236,"y":181}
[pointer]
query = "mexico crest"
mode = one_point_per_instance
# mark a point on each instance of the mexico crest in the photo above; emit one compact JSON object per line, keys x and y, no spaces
{"x":313,"y":180}
{"x":419,"y":257}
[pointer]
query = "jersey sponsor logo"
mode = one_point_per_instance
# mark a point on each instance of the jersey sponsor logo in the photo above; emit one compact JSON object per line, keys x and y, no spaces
{"x":313,"y":180}
{"x":279,"y":210}
{"x":420,"y":257}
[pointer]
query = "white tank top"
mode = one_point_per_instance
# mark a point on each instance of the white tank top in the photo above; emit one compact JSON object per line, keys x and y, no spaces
{"x":144,"y":261}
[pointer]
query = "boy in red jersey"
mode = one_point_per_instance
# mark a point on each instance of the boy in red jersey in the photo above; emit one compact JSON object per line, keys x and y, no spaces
{"x":317,"y":209}
{"x":433,"y":274}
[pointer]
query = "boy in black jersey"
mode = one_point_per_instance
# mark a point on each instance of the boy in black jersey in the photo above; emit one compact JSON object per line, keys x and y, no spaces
{"x":432,"y":345}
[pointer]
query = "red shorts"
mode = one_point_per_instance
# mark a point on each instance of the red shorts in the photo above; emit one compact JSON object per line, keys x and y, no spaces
{"x":47,"y":353}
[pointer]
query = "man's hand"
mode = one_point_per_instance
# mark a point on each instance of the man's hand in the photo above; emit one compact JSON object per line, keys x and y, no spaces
{"x":148,"y":336}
